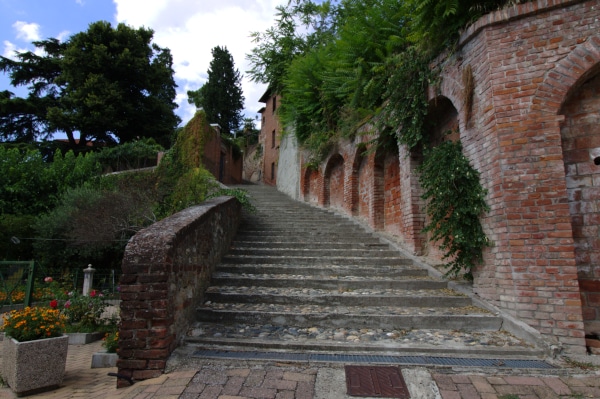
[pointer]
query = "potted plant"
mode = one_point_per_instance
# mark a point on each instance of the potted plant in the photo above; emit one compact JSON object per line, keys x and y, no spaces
{"x":34,"y":354}
{"x":109,"y":357}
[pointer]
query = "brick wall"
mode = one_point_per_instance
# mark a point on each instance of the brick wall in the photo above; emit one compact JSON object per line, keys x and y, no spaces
{"x":219,"y":159}
{"x":166,"y":268}
{"x":269,"y":137}
{"x":534,"y":116}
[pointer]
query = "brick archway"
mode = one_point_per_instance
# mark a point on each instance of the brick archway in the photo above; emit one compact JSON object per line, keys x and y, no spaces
{"x":571,"y":94}
{"x":333,"y":184}
{"x":566,"y":77}
{"x":310,"y":186}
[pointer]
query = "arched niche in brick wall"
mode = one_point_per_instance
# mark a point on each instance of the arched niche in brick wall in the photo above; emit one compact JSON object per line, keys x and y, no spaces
{"x":580,"y":138}
{"x":333,"y":185}
{"x":311,"y":184}
{"x":442,"y":118}
{"x":386,"y":196}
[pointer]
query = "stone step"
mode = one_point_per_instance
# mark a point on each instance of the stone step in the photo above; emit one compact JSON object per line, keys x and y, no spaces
{"x":326,"y":282}
{"x":365,"y":340}
{"x":306,"y":279}
{"x":318,"y":244}
{"x":313,"y":252}
{"x":316,"y":260}
{"x":325,"y":232}
{"x":333,"y":270}
{"x":333,"y":298}
{"x":467,"y":318}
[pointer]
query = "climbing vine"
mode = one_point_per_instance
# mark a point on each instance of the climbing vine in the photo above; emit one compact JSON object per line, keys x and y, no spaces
{"x":455,"y":201}
{"x":406,"y":96}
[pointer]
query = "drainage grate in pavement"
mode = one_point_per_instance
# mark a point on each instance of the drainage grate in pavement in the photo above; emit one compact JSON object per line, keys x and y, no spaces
{"x":376,"y":381}
{"x":407,"y":360}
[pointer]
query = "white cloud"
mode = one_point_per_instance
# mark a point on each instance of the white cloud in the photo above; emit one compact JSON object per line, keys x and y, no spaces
{"x":62,"y":36}
{"x":28,"y":32}
{"x":9,"y":49}
{"x":192,"y":28}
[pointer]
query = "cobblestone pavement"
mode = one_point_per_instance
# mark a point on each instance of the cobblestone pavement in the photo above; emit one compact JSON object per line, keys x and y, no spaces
{"x":208,"y":379}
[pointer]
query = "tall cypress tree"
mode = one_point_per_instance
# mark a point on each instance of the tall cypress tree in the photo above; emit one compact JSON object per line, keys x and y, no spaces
{"x":221,"y":96}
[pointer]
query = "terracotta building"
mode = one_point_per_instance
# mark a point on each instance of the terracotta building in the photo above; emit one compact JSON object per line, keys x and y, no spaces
{"x":270,"y":135}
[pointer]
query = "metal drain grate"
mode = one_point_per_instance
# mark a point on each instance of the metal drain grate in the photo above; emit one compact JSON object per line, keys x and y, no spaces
{"x":374,"y":359}
{"x":379,"y":382}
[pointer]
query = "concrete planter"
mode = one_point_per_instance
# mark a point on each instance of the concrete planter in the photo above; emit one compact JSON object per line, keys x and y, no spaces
{"x":104,"y":360}
{"x":84,"y":338}
{"x":34,"y":366}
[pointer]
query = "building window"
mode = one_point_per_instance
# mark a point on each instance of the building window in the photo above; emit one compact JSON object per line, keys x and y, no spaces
{"x":273,"y":139}
{"x":272,"y":170}
{"x":274,"y":104}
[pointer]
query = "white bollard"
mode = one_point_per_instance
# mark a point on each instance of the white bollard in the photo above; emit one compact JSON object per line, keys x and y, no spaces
{"x":88,"y":279}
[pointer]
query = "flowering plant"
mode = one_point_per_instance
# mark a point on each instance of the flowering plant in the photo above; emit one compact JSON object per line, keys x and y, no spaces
{"x":83,"y":313}
{"x":111,"y":341}
{"x":33,"y":323}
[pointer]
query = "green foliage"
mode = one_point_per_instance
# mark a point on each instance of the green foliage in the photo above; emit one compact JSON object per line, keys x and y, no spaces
{"x":29,"y":185}
{"x":20,"y":226}
{"x":241,"y":195}
{"x":191,"y":188}
{"x":111,"y":341}
{"x":438,"y":24}
{"x":182,"y":181}
{"x":133,"y":155}
{"x":248,"y":135}
{"x":221,"y":96}
{"x":333,"y":89}
{"x":94,"y":222}
{"x":406,"y":97}
{"x":109,"y":84}
{"x":455,"y":201}
{"x":300,"y":26}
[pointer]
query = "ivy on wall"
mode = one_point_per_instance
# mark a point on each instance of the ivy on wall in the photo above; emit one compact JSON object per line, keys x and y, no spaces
{"x":455,"y":200}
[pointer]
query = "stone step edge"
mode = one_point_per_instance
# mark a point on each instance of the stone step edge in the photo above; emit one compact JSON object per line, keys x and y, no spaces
{"x":387,"y":349}
{"x":348,"y":300}
{"x":469,"y":322}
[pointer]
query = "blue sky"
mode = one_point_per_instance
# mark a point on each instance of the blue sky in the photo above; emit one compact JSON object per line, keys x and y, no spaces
{"x":189,"y":28}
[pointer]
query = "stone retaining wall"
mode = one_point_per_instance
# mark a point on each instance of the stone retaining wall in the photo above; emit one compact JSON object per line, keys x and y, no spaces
{"x":166,"y":269}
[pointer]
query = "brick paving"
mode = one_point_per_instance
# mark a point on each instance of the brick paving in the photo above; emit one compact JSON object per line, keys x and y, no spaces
{"x":241,"y":380}
{"x":476,"y":386}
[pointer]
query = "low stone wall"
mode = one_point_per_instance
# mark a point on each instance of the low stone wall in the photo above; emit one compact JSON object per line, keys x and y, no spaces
{"x":166,"y":269}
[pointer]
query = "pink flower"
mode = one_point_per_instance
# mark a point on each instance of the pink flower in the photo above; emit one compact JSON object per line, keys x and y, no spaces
{"x":68,"y":304}
{"x":53,"y":303}
{"x":93,"y":293}
{"x":48,"y":280}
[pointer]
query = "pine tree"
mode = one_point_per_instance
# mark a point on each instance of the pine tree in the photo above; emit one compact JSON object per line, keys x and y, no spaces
{"x":221,"y":96}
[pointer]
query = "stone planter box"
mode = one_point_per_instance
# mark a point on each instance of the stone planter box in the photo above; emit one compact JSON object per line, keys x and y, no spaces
{"x":84,"y":338}
{"x":34,"y":366}
{"x":104,"y":360}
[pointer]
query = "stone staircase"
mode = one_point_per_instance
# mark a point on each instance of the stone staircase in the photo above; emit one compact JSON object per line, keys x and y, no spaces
{"x":301,"y":278}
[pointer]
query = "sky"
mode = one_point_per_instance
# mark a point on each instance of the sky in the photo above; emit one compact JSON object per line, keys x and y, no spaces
{"x":189,"y":28}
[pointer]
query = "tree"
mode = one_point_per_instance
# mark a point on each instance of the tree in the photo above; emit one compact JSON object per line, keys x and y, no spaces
{"x":109,"y":84}
{"x":221,"y":96}
{"x":300,"y":26}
